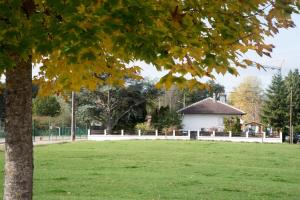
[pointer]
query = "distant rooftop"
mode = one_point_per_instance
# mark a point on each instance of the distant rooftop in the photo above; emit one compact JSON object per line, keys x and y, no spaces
{"x":211,"y":106}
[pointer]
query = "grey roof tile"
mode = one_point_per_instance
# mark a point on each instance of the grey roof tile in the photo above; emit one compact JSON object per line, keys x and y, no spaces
{"x":211,"y":106}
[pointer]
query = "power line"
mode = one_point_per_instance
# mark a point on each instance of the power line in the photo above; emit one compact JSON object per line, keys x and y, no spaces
{"x":272,"y":67}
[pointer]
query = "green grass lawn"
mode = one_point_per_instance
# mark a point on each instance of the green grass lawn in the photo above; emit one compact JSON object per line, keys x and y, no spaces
{"x":166,"y":170}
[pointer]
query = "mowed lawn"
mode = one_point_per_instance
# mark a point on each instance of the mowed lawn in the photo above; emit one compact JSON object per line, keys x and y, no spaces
{"x":166,"y":170}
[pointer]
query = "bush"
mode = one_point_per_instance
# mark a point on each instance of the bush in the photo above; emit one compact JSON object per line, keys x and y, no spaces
{"x":232,"y":124}
{"x":297,"y":129}
{"x":164,"y":118}
{"x":143,"y":127}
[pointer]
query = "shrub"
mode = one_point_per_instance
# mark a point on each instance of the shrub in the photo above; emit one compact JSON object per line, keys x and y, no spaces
{"x":232,"y":124}
{"x":165,"y":118}
{"x":143,"y":127}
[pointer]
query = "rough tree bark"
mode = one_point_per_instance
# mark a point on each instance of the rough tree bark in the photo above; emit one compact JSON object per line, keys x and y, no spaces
{"x":18,"y":128}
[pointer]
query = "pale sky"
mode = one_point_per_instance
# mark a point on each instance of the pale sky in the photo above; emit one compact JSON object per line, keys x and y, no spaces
{"x":285,"y":53}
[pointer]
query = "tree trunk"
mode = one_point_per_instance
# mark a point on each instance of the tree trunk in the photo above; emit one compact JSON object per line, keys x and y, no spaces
{"x":18,"y":128}
{"x":109,"y":126}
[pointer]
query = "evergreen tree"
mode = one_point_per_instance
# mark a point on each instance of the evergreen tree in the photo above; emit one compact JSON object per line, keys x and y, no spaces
{"x":275,"y":108}
{"x":292,"y":84}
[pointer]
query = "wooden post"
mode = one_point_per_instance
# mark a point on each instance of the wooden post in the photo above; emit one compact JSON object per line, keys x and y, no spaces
{"x":139,"y":131}
{"x":156,"y":133}
{"x":230,"y":134}
{"x":73,"y":123}
{"x":213,"y":134}
{"x":173,"y":133}
{"x":247,"y":134}
{"x":105,"y":132}
{"x":198,"y":134}
{"x":89,"y":132}
{"x":122,"y":132}
{"x":189,"y":133}
{"x":291,"y":118}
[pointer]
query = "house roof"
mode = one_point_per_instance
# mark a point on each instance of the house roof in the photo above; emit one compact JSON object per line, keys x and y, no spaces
{"x":211,"y":106}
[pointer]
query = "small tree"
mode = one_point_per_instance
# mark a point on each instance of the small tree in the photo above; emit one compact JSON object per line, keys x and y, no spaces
{"x":46,"y":106}
{"x":232,"y":124}
{"x":164,"y":118}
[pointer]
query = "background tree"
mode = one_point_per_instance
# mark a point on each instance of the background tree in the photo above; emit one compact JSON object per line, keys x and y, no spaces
{"x":248,"y":96}
{"x":60,"y":120}
{"x":195,"y":95}
{"x":176,"y":98}
{"x":78,"y":41}
{"x":165,"y":119}
{"x":232,"y":124}
{"x":46,"y":106}
{"x":292,"y":85}
{"x":119,"y":108}
{"x":275,"y":105}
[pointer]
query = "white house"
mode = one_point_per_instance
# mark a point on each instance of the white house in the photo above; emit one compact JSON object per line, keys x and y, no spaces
{"x":207,"y":114}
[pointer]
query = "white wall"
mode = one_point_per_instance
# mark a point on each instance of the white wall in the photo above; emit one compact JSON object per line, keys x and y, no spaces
{"x":135,"y":137}
{"x":208,"y":138}
{"x":197,"y":121}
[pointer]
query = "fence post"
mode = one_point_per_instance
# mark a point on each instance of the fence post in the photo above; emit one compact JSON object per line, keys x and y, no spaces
{"x":105,"y":132}
{"x":247,"y":134}
{"x":174,"y":133}
{"x":89,"y":132}
{"x":139,"y":131}
{"x":280,"y":135}
{"x":263,"y":137}
{"x":198,"y":134}
{"x":230,"y":134}
{"x":189,"y":133}
{"x":213,"y":134}
{"x":122,"y":132}
{"x":156,"y":133}
{"x":49,"y":130}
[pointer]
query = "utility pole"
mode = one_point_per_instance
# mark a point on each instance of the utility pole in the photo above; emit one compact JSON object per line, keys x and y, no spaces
{"x":170,"y":100}
{"x":184,"y":99}
{"x":291,"y":116}
{"x":159,"y":103}
{"x":73,"y":124}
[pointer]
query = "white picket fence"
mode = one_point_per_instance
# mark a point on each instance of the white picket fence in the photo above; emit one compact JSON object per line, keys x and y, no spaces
{"x":187,"y":136}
